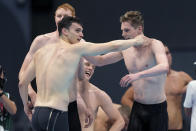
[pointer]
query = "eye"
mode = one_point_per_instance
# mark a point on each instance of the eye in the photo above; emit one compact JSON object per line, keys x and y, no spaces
{"x":59,"y":16}
{"x":126,"y":30}
{"x":78,"y":30}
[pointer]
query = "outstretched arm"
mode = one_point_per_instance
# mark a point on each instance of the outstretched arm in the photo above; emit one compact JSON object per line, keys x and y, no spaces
{"x":101,"y":60}
{"x":113,"y":114}
{"x":92,"y":49}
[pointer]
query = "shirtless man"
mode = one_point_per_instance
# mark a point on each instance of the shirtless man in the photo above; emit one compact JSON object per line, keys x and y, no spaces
{"x":175,"y":87}
{"x":45,"y":39}
{"x":104,"y":123}
{"x":99,"y":99}
{"x":51,"y":38}
{"x":55,"y":68}
{"x":148,"y":66}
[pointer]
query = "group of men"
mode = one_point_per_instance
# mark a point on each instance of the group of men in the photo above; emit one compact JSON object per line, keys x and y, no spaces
{"x":63,"y":63}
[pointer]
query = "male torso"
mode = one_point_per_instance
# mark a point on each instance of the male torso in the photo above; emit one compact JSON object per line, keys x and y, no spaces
{"x":175,"y":87}
{"x":56,"y":65}
{"x":149,"y":90}
{"x":94,"y":105}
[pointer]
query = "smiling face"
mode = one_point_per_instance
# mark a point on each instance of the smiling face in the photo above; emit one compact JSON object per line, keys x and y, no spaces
{"x":88,"y":69}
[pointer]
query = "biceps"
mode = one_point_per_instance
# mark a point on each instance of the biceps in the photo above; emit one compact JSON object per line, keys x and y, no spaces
{"x":29,"y":73}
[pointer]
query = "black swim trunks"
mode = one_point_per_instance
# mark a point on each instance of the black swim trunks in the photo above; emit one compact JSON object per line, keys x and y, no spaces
{"x":49,"y":119}
{"x":152,"y":117}
{"x":73,"y":117}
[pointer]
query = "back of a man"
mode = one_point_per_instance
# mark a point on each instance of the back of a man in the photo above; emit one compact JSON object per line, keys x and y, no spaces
{"x":51,"y":90}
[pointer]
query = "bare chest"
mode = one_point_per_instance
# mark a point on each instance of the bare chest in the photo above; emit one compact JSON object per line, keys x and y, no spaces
{"x":138,"y":59}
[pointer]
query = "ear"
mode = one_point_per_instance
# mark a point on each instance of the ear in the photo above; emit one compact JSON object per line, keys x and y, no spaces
{"x":65,"y":31}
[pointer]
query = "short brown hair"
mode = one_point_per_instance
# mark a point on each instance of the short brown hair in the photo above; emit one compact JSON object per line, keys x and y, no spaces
{"x":134,"y":18}
{"x":67,"y":6}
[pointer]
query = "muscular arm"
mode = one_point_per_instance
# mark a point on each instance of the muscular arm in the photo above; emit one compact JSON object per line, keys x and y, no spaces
{"x":127,"y":98}
{"x":106,"y":59}
{"x":9,"y":105}
{"x":113,"y":114}
{"x":162,"y":66}
{"x":92,"y":49}
{"x":36,"y":44}
{"x":27,"y":76}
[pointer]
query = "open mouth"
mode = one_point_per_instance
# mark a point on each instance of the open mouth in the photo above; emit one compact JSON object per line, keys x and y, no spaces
{"x":88,"y":73}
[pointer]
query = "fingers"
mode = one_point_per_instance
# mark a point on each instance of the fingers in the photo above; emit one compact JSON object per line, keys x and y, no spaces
{"x":125,"y":81}
{"x":88,"y":121}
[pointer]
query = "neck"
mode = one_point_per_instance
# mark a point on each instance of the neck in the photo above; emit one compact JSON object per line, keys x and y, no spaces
{"x":63,"y":38}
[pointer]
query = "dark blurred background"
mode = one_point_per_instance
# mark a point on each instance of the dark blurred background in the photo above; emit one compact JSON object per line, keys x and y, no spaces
{"x":172,"y":22}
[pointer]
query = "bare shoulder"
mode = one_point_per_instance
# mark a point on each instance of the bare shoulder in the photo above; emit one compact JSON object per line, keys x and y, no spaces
{"x":100,"y":94}
{"x":185,"y":76}
{"x":156,"y":42}
{"x":38,"y":42}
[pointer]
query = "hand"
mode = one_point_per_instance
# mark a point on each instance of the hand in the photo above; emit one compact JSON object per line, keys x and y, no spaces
{"x":128,"y":79}
{"x":140,"y":40}
{"x":88,"y":118}
{"x":28,"y":110}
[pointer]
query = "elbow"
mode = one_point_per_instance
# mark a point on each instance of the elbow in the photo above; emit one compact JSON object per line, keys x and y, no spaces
{"x":21,"y":84}
{"x":166,"y":68}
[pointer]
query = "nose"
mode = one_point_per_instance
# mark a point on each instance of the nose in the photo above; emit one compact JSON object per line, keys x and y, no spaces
{"x":123,"y":34}
{"x":81,"y":35}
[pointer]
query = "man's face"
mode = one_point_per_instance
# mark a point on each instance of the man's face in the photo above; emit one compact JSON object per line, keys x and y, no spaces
{"x":74,"y":33}
{"x":60,"y":13}
{"x":128,"y":31}
{"x":169,"y":57}
{"x":88,"y":69}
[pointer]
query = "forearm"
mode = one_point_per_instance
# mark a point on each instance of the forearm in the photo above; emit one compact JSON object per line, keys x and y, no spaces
{"x":9,"y":105}
{"x":32,"y":94}
{"x":154,"y":71}
{"x":119,"y":45}
{"x":118,"y":125}
{"x":23,"y":90}
{"x":127,"y":101}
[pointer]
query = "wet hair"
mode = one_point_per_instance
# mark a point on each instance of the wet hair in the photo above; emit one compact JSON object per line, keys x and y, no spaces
{"x":67,"y":6}
{"x":66,"y":22}
{"x":134,"y":18}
